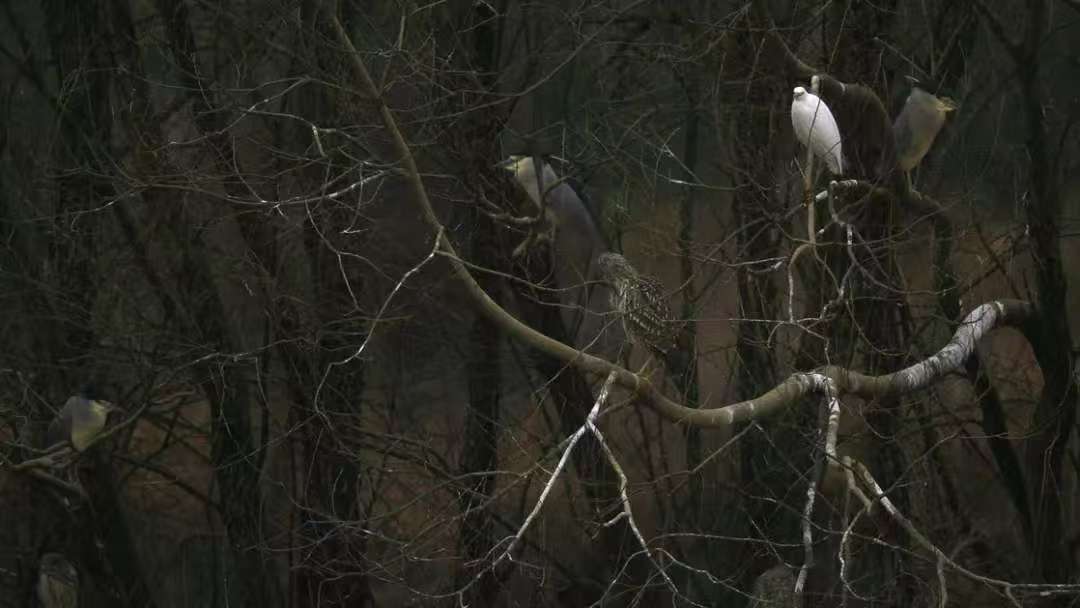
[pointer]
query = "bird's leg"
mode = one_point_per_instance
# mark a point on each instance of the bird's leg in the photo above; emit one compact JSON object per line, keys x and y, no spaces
{"x":808,"y":197}
{"x":645,"y":366}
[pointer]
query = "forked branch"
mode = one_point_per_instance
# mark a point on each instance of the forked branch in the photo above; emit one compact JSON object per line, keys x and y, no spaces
{"x":788,"y":393}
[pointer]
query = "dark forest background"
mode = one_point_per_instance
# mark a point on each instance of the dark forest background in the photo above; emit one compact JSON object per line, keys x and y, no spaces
{"x":205,"y":213}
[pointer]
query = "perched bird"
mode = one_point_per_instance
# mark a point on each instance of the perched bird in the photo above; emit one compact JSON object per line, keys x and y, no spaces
{"x":81,"y":419}
{"x":774,"y":588}
{"x":816,"y":128}
{"x":545,"y":190}
{"x":524,"y":170}
{"x":646,"y":317}
{"x":58,"y":582}
{"x":562,"y":191}
{"x":577,"y":244}
{"x":918,"y":125}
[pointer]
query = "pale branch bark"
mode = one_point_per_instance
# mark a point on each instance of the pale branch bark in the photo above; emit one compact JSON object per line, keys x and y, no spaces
{"x":374,"y":323}
{"x":878,"y":496}
{"x":853,"y":489}
{"x":788,"y":393}
{"x":627,"y":512}
{"x":825,"y":386}
{"x":516,"y":538}
{"x":36,"y":468}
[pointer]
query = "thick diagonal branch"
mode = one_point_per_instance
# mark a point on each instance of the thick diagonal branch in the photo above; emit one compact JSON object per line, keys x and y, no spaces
{"x":977,"y":323}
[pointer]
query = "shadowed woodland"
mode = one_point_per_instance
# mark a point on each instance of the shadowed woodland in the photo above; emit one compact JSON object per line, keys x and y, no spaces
{"x":342,"y":271}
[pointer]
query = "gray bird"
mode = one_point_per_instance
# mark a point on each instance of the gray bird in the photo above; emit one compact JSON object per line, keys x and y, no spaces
{"x":524,"y":170}
{"x":80,"y":421}
{"x":58,"y":582}
{"x":918,"y":125}
{"x":577,"y":245}
{"x":558,"y":190}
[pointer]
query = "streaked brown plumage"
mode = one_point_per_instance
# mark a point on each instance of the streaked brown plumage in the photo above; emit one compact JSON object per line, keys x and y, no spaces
{"x":58,"y":582}
{"x":639,"y":301}
{"x":774,"y":588}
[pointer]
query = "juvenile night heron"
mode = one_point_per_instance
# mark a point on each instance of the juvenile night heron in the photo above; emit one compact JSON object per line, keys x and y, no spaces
{"x":918,"y":125}
{"x":774,"y":588}
{"x":816,"y":128}
{"x":82,"y":419}
{"x":646,"y":317}
{"x":58,"y":582}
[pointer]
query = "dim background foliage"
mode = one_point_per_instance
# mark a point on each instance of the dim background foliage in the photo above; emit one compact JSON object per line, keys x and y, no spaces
{"x":199,"y":213}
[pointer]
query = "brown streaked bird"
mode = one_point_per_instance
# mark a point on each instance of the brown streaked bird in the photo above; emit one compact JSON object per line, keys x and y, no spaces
{"x":58,"y":582}
{"x":774,"y":588}
{"x":646,"y":316}
{"x":80,"y":421}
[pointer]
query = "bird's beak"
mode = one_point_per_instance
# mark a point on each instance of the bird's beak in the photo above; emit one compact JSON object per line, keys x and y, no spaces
{"x":107,"y":406}
{"x":911,"y":80}
{"x":510,"y":163}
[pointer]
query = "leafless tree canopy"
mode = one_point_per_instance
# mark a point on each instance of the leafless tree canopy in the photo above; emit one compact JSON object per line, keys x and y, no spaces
{"x":339,"y":266}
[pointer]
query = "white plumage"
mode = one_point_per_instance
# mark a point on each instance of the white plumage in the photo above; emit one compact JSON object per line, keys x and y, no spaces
{"x":816,"y":128}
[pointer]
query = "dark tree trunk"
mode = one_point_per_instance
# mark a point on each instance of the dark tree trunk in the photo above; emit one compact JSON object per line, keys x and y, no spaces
{"x":479,"y":453}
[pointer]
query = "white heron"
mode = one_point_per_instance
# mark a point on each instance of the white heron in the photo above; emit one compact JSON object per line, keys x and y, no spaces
{"x":816,"y":128}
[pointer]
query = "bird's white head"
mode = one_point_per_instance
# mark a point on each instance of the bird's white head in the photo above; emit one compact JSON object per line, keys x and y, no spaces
{"x":798,"y":92}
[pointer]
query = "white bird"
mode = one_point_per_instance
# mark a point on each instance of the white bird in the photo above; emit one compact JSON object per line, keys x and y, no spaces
{"x":918,"y":125}
{"x":816,"y":128}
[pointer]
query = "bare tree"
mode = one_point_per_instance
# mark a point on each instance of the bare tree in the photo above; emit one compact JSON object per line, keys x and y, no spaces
{"x":360,"y":363}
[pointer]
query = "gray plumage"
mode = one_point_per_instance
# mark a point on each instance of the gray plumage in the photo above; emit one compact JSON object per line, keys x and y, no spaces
{"x":918,"y":125}
{"x":79,"y":422}
{"x":577,"y":244}
{"x":58,"y":582}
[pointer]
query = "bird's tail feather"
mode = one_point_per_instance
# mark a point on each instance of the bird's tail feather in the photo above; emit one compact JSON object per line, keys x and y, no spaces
{"x":678,"y":364}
